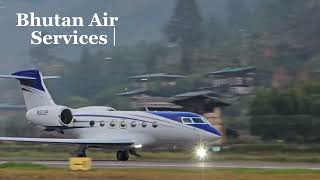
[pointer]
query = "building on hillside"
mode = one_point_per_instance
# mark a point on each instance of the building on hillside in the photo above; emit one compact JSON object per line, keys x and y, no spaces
{"x":240,"y":81}
{"x":165,"y":80}
{"x":207,"y":103}
{"x":144,"y":100}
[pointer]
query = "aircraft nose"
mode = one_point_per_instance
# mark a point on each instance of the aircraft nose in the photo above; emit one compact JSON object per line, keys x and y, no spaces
{"x":208,"y":132}
{"x":212,"y":134}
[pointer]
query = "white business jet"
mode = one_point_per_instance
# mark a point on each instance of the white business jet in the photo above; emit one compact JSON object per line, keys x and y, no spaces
{"x":104,"y":127}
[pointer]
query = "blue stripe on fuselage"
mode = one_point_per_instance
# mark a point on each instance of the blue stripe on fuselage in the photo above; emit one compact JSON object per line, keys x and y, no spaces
{"x":176,"y":116}
{"x":207,"y":127}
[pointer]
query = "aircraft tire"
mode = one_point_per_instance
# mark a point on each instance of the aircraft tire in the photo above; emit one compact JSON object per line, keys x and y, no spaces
{"x":123,"y":155}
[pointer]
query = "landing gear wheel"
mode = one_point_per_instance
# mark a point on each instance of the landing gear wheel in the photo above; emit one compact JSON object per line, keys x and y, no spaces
{"x":81,"y":151}
{"x":123,"y":155}
{"x":83,"y":154}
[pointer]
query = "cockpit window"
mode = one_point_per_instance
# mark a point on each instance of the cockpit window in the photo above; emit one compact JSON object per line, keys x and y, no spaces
{"x":205,"y":120}
{"x":186,"y":120}
{"x":198,"y":120}
{"x":194,"y":120}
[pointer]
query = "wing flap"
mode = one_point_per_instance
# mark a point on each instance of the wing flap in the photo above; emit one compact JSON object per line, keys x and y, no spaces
{"x":70,"y":141}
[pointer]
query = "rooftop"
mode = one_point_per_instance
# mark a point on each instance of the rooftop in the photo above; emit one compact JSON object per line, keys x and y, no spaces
{"x":156,"y":75}
{"x":198,"y":93}
{"x":133,"y":92}
{"x":207,"y":97}
{"x":233,"y":70}
{"x":157,"y":104}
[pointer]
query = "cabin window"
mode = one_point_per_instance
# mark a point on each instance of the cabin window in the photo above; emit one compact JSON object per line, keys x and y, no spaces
{"x":92,"y":123}
{"x":112,"y":124}
{"x":133,"y":124}
{"x":102,"y":123}
{"x":155,"y":124}
{"x":186,"y":120}
{"x":144,"y":124}
{"x":198,"y":120}
{"x":123,"y":124}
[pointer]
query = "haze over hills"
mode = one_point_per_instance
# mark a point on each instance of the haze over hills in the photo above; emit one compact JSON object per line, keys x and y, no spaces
{"x":278,"y":38}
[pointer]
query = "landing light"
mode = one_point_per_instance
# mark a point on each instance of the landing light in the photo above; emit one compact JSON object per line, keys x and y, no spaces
{"x":201,"y":152}
{"x":138,"y":146}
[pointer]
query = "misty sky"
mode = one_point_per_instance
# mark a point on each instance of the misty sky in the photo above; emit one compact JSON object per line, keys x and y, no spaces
{"x":139,"y":20}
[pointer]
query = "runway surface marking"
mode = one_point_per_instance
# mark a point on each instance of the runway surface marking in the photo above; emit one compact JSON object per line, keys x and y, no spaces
{"x":154,"y":164}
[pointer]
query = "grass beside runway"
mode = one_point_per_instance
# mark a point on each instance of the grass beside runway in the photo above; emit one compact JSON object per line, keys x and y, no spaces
{"x":14,"y":171}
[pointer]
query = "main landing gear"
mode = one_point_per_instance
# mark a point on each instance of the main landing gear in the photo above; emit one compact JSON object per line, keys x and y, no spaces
{"x":123,"y":155}
{"x":81,"y":151}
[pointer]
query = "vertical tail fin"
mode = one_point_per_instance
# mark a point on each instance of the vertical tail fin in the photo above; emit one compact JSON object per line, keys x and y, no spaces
{"x":33,"y":88}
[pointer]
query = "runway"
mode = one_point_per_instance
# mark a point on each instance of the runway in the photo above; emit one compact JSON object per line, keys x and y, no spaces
{"x":186,"y":165}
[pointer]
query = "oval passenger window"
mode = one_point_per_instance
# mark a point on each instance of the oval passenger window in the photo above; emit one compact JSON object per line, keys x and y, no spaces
{"x":112,"y":124}
{"x":144,"y":124}
{"x":123,"y":124}
{"x":133,"y":124}
{"x":92,"y":123}
{"x":155,"y":124}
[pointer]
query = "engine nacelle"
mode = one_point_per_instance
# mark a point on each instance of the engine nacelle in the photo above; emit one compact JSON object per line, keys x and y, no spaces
{"x":51,"y":116}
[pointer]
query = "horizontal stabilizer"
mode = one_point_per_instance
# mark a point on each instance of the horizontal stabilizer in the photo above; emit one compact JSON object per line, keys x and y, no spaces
{"x":17,"y":77}
{"x":33,"y":88}
{"x":69,"y":141}
{"x":30,"y":78}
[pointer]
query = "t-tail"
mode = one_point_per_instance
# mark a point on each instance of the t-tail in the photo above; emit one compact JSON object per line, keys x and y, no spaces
{"x":33,"y":88}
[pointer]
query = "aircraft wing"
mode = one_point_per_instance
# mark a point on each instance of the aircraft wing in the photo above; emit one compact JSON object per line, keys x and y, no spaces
{"x":123,"y":142}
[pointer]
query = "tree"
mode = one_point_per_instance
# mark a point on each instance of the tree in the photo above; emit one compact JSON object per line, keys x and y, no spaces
{"x":76,"y":101}
{"x":86,"y":79}
{"x":291,"y":114}
{"x":154,"y":52}
{"x":184,"y":29}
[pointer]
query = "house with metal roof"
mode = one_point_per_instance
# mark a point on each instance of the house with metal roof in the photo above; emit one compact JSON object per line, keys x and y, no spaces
{"x":164,"y":79}
{"x":240,"y":80}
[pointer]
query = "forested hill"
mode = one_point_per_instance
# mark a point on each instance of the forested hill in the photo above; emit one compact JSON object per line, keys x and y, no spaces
{"x":139,"y":20}
{"x":280,"y":38}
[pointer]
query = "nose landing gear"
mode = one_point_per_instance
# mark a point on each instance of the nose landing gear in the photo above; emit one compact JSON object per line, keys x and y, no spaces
{"x":81,"y":151}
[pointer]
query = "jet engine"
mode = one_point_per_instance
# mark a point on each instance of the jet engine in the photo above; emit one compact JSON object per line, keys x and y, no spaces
{"x":51,"y":116}
{"x":66,"y":117}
